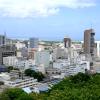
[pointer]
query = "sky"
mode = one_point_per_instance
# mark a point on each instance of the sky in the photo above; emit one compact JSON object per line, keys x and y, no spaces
{"x":49,"y":19}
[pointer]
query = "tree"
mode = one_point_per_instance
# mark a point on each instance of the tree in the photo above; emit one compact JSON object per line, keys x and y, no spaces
{"x":25,"y":96}
{"x":10,"y":68}
{"x":28,"y":72}
{"x":78,"y":87}
{"x":38,"y":75}
{"x":80,"y":77}
{"x":11,"y":94}
{"x":1,"y":83}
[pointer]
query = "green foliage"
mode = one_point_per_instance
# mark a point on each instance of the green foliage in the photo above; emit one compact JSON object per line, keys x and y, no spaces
{"x":11,"y":94}
{"x":25,"y":96}
{"x":32,"y":73}
{"x":41,"y":96}
{"x":11,"y":68}
{"x":28,"y":72}
{"x":1,"y":83}
{"x":79,"y":78}
{"x":78,"y":87}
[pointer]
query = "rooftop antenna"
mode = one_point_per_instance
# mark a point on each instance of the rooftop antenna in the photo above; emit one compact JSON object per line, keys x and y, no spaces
{"x":92,"y":27}
{"x":5,"y":37}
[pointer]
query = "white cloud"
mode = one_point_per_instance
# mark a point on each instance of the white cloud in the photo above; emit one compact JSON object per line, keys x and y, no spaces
{"x":31,"y":8}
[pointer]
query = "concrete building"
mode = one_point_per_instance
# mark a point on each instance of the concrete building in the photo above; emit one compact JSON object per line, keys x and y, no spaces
{"x":2,"y":40}
{"x":97,"y":66}
{"x":26,"y":42}
{"x":37,"y":88}
{"x":24,"y":64}
{"x":40,"y":88}
{"x":98,"y":48}
{"x":61,"y":63}
{"x":4,"y":77}
{"x":19,"y":63}
{"x":77,"y":45}
{"x":40,"y":68}
{"x":42,"y":58}
{"x":53,"y":71}
{"x":15,"y":74}
{"x":19,"y":45}
{"x":31,"y":52}
{"x":7,"y":50}
{"x":67,"y":42}
{"x":9,"y":41}
{"x":19,"y":83}
{"x":22,"y":52}
{"x":34,"y":42}
{"x":60,"y":53}
{"x":10,"y":61}
{"x":28,"y":84}
{"x":89,"y":42}
{"x":89,"y":46}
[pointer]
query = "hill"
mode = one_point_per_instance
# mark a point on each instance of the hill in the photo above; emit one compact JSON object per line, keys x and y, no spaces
{"x":78,"y":87}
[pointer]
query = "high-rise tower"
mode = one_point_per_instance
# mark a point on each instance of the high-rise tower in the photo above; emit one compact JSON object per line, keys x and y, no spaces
{"x":89,"y":42}
{"x":89,"y":47}
{"x":67,"y":42}
{"x":34,"y":42}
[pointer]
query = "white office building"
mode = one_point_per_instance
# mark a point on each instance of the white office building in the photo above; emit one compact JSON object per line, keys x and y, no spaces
{"x":18,"y":63}
{"x":25,"y":64}
{"x":19,"y":45}
{"x":10,"y":61}
{"x":42,"y":58}
{"x":21,"y":83}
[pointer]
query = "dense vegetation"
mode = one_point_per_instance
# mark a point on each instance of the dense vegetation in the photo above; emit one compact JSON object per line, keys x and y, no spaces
{"x":15,"y":94}
{"x":78,"y":87}
{"x":10,"y":68}
{"x":38,"y":75}
{"x":1,"y":83}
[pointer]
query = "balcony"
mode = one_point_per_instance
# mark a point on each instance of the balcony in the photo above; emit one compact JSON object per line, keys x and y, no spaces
{"x":92,"y":34}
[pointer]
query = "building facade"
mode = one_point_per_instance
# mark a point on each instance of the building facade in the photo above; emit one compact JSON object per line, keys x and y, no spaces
{"x":2,"y":39}
{"x":67,"y":42}
{"x":7,"y":50}
{"x":34,"y":42}
{"x":89,"y":42}
{"x":42,"y":58}
{"x":19,"y":83}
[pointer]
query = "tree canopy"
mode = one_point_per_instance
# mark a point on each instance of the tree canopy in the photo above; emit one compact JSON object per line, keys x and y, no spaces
{"x":38,"y":75}
{"x":78,"y":87}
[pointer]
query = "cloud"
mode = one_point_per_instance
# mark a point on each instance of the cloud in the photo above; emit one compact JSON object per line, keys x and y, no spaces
{"x":32,"y":8}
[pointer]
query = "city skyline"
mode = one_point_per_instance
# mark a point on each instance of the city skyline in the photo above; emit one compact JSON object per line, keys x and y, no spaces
{"x":49,"y":19}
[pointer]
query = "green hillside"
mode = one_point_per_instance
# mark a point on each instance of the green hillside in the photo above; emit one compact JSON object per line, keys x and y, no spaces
{"x":79,"y":87}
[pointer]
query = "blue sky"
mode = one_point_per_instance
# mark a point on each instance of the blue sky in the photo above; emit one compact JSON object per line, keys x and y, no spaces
{"x":49,"y":19}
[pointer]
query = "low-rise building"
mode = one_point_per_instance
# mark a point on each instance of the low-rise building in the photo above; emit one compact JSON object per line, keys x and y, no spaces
{"x":19,"y":63}
{"x":25,"y":64}
{"x":21,"y":83}
{"x":10,"y":61}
